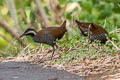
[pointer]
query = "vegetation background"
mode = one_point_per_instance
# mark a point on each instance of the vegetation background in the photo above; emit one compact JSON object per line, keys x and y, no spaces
{"x":17,"y":15}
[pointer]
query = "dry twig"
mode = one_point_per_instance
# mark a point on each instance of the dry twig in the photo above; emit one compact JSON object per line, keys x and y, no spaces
{"x":13,"y":12}
{"x":114,"y":45}
{"x":42,"y":12}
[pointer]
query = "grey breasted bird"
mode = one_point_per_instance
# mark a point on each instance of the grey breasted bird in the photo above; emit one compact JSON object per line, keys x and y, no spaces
{"x":47,"y":35}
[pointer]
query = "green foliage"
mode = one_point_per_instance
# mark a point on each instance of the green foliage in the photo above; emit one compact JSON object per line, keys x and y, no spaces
{"x":3,"y":43}
{"x":33,"y":17}
{"x":2,"y":2}
{"x":114,"y":36}
{"x":12,"y":49}
{"x":23,"y":4}
{"x":73,"y":0}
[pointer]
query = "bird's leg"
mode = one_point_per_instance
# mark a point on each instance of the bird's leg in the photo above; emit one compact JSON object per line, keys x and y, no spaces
{"x":56,"y":46}
{"x":53,"y":52}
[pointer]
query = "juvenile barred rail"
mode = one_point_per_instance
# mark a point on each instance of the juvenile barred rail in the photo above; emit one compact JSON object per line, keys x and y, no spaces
{"x":96,"y":32}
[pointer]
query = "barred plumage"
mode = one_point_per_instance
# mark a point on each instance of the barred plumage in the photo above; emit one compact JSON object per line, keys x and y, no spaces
{"x":96,"y":32}
{"x":101,"y":37}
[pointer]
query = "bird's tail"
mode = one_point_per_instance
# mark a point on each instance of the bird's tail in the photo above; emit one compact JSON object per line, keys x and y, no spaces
{"x":64,"y":24}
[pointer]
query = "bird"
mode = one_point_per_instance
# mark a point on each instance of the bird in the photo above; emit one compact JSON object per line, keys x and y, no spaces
{"x":93,"y":31}
{"x":47,"y":35}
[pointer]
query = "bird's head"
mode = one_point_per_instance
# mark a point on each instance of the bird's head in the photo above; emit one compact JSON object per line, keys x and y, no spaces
{"x":83,"y":26}
{"x":30,"y":32}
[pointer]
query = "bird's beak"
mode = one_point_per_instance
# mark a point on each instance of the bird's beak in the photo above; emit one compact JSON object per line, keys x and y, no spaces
{"x":78,"y":22}
{"x":22,"y":35}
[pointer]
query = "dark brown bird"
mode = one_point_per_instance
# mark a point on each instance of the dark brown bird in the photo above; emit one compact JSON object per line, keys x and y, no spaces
{"x":96,"y":32}
{"x":47,"y":35}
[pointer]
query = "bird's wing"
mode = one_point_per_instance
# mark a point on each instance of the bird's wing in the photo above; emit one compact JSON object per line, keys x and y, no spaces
{"x":45,"y":38}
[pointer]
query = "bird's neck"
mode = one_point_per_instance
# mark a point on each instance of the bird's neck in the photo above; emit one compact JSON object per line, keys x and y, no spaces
{"x":32,"y":35}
